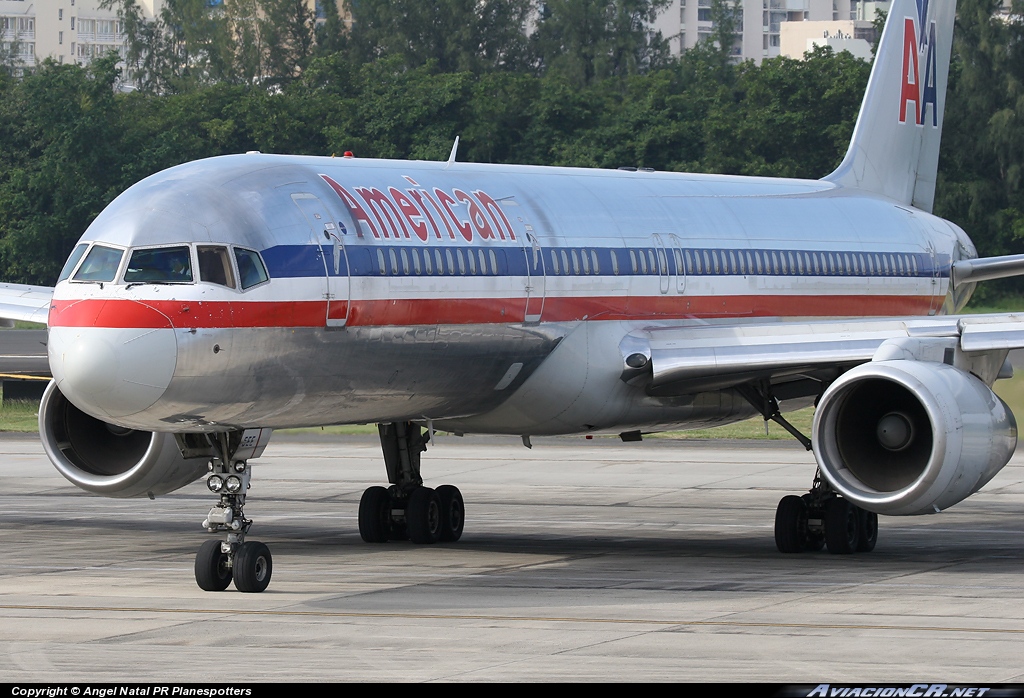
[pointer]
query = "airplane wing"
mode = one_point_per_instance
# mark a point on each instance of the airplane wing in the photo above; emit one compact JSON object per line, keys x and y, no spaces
{"x":687,"y":359}
{"x":22,"y":302}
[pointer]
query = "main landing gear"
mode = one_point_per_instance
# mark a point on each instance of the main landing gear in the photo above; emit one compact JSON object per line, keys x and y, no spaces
{"x":822,"y":518}
{"x":407,"y":510}
{"x":248,"y":563}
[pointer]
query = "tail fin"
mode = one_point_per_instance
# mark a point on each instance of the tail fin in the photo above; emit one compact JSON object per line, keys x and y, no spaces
{"x":895,"y":145}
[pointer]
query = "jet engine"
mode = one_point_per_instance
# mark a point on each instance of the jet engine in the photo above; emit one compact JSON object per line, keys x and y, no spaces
{"x":911,"y":437}
{"x":107,"y":459}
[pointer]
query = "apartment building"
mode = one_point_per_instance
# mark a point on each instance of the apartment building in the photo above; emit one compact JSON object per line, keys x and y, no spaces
{"x":69,"y":31}
{"x":759,"y":25}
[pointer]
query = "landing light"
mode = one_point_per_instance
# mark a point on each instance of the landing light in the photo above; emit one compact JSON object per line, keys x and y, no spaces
{"x":215,"y":483}
{"x":234,"y":483}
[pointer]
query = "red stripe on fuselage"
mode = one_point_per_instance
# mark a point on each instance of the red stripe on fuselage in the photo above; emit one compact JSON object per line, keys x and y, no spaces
{"x":464,"y":311}
{"x":111,"y":312}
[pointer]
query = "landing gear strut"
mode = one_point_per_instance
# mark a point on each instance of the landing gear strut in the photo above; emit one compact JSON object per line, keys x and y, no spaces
{"x":407,"y":509}
{"x":248,"y":563}
{"x":822,"y":518}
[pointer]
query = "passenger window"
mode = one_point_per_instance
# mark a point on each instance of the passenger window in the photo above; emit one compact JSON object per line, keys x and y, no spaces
{"x":593,"y":259}
{"x":643,"y":262}
{"x":451,"y":263}
{"x":405,"y":262}
{"x":381,"y":263}
{"x":632,"y":258}
{"x":483,"y":261}
{"x":585,"y":259}
{"x":494,"y":263}
{"x":732,"y":262}
{"x":462,"y":262}
{"x":565,"y":262}
{"x":416,"y":262}
{"x":615,"y":262}
{"x":471,"y":259}
{"x":554,"y":262}
{"x":159,"y":265}
{"x":575,"y":263}
{"x":439,"y":263}
{"x":69,"y":266}
{"x":214,"y":266}
{"x":250,"y":268}
{"x":428,"y":268}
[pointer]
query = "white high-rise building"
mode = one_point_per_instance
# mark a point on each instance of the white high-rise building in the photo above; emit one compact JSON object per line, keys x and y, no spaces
{"x":759,"y":25}
{"x":69,"y":31}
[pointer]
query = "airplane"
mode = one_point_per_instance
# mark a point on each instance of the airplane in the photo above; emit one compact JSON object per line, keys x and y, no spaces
{"x":219,"y":300}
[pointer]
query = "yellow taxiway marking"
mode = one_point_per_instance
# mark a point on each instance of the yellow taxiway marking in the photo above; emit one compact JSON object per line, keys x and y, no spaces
{"x":514,"y":619}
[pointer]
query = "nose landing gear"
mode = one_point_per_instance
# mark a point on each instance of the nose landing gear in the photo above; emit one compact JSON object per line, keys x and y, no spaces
{"x":247,"y":563}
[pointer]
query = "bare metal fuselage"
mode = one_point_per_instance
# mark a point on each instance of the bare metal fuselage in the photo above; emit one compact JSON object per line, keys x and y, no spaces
{"x":483,"y":298}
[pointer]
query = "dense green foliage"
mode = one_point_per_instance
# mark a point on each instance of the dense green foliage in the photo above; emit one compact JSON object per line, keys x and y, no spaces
{"x":590,"y":87}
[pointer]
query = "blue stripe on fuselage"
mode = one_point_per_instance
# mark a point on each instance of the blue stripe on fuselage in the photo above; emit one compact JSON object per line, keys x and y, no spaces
{"x":296,"y":261}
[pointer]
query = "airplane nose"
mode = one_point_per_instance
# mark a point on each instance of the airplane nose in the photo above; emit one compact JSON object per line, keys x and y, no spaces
{"x":112,"y":371}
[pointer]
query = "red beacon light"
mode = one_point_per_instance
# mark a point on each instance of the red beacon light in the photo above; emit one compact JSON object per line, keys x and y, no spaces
{"x":348,"y":154}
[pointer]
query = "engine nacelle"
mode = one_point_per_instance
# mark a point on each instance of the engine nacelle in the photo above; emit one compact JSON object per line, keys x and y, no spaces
{"x":109,"y":460}
{"x":911,"y":437}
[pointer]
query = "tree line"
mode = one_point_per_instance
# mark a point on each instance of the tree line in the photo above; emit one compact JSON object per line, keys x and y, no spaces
{"x":588,"y":85}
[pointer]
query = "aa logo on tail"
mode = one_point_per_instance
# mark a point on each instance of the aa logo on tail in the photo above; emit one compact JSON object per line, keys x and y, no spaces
{"x":919,"y":54}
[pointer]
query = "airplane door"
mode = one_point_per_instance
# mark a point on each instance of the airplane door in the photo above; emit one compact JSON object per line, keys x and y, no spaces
{"x":664,"y":272}
{"x":324,"y":232}
{"x":680,"y":265}
{"x":936,"y":299}
{"x":534,"y":281}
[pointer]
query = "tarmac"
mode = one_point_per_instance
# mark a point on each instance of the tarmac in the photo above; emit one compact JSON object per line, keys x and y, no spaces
{"x":582,"y":560}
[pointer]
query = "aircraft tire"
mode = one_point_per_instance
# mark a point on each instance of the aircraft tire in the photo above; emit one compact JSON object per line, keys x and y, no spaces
{"x":375,"y":515}
{"x":423,"y":516}
{"x":212,"y":570}
{"x":790,"y":524}
{"x":815,"y":540}
{"x":253,"y":567}
{"x":868,"y":530}
{"x":453,"y":513}
{"x":842,"y":526}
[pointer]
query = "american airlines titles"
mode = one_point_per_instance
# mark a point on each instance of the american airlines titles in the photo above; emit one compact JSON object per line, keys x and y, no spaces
{"x":415,"y":211}
{"x":917,"y":47}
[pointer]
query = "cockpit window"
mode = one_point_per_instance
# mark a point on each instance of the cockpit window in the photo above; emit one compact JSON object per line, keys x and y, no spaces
{"x":250,"y":268}
{"x":69,"y":266}
{"x":215,"y":266}
{"x":159,"y":265}
{"x":100,"y":264}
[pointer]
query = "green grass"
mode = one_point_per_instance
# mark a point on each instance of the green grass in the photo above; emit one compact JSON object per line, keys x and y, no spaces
{"x":19,"y":415}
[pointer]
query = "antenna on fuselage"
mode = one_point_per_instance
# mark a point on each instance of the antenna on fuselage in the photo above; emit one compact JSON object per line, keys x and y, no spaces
{"x":451,"y":156}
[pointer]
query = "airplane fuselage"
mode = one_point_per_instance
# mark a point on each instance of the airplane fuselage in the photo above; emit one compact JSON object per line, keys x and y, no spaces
{"x":482,"y":297}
